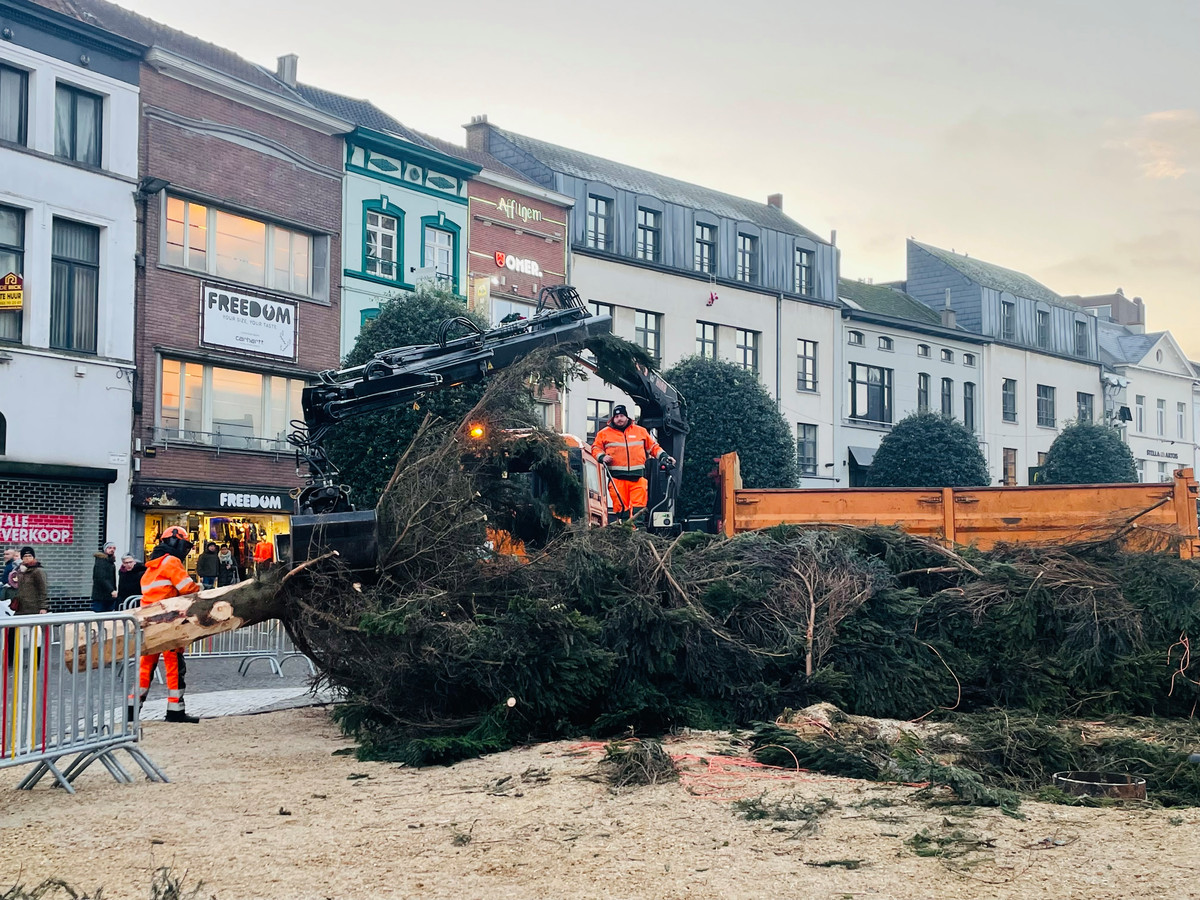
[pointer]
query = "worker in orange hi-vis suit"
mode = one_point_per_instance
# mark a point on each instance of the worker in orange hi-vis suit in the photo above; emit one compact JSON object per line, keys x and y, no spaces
{"x":624,"y":447}
{"x":166,"y":577}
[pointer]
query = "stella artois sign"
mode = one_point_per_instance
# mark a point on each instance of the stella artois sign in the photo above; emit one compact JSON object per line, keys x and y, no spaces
{"x":12,"y":291}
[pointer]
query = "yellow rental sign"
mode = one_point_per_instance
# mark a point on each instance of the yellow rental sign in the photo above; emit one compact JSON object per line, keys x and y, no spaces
{"x":12,"y":291}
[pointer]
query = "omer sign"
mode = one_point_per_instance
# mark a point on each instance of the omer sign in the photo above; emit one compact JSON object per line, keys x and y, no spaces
{"x":247,"y":323}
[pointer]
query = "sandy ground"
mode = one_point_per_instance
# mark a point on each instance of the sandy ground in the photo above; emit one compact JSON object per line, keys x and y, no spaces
{"x":260,"y":807}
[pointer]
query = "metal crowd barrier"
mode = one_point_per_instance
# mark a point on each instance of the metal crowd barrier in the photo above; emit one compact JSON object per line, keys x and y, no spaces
{"x":267,"y":641}
{"x":65,"y":689}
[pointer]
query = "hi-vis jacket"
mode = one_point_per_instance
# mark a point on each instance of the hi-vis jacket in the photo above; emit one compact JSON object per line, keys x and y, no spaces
{"x":165,"y":577}
{"x":629,"y":450}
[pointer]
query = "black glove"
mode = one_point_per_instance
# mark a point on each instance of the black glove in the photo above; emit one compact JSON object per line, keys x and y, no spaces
{"x":668,"y":461}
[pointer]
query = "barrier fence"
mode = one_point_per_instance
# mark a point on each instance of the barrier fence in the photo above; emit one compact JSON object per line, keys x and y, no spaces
{"x":65,"y":690}
{"x":267,"y":641}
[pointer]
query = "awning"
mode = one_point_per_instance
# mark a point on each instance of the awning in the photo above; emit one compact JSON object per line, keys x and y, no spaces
{"x":864,"y":456}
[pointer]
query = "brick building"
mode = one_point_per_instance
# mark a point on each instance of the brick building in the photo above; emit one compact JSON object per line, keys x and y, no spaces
{"x":240,"y":204}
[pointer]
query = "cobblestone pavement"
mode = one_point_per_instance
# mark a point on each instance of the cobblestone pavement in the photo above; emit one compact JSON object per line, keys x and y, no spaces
{"x":215,"y":687}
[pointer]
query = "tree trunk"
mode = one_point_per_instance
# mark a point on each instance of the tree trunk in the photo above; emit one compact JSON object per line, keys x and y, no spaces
{"x":175,"y":623}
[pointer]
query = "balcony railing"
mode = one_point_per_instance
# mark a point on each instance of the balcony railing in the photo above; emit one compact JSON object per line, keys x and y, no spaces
{"x":219,"y":440}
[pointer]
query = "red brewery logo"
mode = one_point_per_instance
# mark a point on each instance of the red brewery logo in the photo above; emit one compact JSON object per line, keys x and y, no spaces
{"x":20,"y":528}
{"x":516,"y":264}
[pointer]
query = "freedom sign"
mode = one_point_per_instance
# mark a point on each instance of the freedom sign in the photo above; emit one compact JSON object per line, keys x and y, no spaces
{"x":22,"y":528}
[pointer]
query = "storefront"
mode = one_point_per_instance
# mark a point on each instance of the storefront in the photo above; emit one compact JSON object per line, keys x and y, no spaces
{"x":253,"y":522}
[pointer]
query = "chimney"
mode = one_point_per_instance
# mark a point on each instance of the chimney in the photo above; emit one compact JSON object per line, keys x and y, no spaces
{"x":285,"y":69}
{"x":833,"y":237}
{"x":775,"y":200}
{"x":948,"y":317}
{"x":477,"y":133}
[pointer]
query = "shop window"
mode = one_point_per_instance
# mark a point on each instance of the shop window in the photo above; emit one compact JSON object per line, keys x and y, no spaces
{"x":78,"y":118}
{"x":14,"y":105}
{"x":12,"y":259}
{"x":244,"y":535}
{"x":239,"y":248}
{"x":226,"y":408}
{"x":74,"y":286}
{"x":439,"y":249}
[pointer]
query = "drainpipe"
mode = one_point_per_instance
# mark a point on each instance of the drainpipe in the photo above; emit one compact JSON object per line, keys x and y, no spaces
{"x":778,"y":350}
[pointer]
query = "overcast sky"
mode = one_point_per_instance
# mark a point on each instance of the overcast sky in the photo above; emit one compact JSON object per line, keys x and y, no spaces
{"x":1060,"y":138}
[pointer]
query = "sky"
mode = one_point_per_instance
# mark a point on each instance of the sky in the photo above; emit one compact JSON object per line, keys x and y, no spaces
{"x":1060,"y":138}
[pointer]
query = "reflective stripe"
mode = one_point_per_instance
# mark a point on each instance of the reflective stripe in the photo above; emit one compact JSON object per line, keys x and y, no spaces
{"x":162,"y":582}
{"x":180,"y":585}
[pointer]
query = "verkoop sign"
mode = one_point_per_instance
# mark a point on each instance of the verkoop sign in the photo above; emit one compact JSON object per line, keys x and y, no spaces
{"x":22,"y":528}
{"x":243,"y":322}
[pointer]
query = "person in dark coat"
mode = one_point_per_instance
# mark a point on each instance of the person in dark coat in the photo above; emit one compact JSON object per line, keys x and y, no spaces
{"x":227,"y":570}
{"x":33,"y":597}
{"x":104,"y":579}
{"x":207,"y":567}
{"x":129,"y":580}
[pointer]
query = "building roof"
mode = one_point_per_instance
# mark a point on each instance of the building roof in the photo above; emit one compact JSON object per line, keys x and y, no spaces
{"x":127,"y":24}
{"x":886,"y":302}
{"x":478,"y":157}
{"x":363,"y":113}
{"x":670,"y":190}
{"x":994,"y":276}
{"x":1120,"y":346}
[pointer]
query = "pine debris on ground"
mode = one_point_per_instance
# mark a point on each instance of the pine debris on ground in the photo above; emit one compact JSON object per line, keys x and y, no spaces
{"x":633,"y":761}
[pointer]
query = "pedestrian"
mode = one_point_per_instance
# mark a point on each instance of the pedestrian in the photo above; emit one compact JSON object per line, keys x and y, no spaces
{"x":227,"y":570}
{"x":207,"y":567}
{"x":165,"y":577}
{"x":129,"y":580}
{"x":624,"y":447}
{"x":8,"y":580}
{"x":104,"y":579}
{"x":32,"y":595}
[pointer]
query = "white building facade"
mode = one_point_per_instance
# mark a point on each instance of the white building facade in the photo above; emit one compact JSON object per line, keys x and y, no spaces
{"x":68,"y":229}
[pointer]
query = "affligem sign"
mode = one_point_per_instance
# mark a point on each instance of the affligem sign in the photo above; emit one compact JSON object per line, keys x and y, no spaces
{"x":248,"y":323}
{"x":25,"y":528}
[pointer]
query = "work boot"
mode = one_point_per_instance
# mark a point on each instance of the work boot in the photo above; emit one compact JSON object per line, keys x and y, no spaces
{"x":178,"y":715}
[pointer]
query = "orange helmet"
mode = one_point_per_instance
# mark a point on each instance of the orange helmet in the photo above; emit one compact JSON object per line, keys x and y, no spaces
{"x":175,"y":531}
{"x":175,"y":541}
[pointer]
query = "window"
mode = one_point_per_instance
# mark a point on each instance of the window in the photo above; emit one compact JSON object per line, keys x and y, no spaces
{"x":1084,"y":407}
{"x":647,"y":330}
{"x":598,"y":414}
{"x":1045,"y":406}
{"x":854,"y":338}
{"x":746,"y":349}
{"x":78,"y":118}
{"x":370,"y":314}
{"x":14,"y":105}
{"x":806,"y":365}
{"x":3,"y":435}
{"x":804,"y":272}
{"x":12,"y":259}
{"x":649,"y":235}
{"x":1141,"y":469}
{"x":706,"y":340}
{"x":969,"y":360}
{"x":747,"y":258}
{"x":203,"y":404}
{"x":706,"y":249}
{"x":1160,"y":416}
{"x":948,"y":356}
{"x":923,"y":392}
{"x":1139,"y":421}
{"x":1008,"y":399}
{"x":381,"y":233}
{"x":1043,"y":329}
{"x":806,"y":448}
{"x":1081,"y":339}
{"x":1008,"y":321}
{"x":601,"y":309}
{"x":923,"y":350}
{"x":948,"y":397}
{"x":1163,"y":474}
{"x":599,"y":223}
{"x":870,"y":394}
{"x":969,"y":406}
{"x":439,"y":253}
{"x":238,"y":248}
{"x":545,"y":415}
{"x":1180,"y":419}
{"x":74,"y":286}
{"x":886,"y":343}
{"x":1010,"y":465}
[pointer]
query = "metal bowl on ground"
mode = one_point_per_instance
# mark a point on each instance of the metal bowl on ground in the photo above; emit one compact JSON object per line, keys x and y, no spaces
{"x":1101,"y":784}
